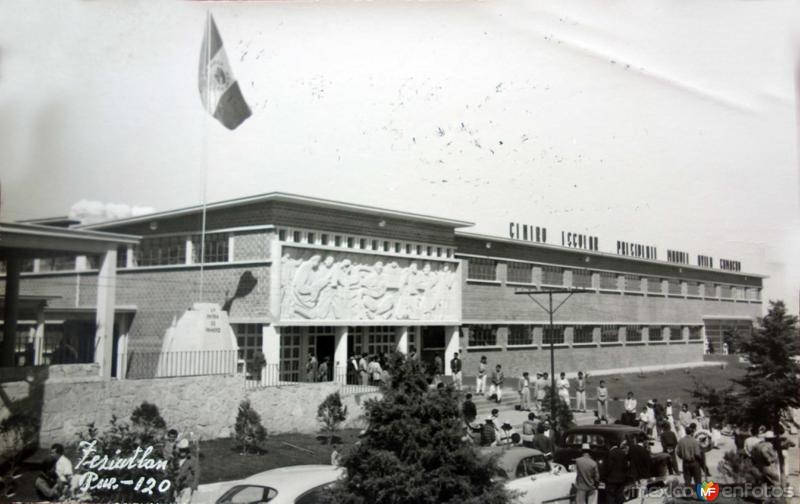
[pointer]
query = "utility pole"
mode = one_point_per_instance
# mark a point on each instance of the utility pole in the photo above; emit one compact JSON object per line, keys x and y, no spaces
{"x":551,"y":311}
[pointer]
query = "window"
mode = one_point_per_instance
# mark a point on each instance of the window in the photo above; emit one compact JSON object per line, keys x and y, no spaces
{"x":710,"y":290}
{"x":216,"y":248}
{"x":245,"y":494}
{"x":386,"y":246}
{"x":122,"y":256}
{"x":583,"y":334}
{"x":695,"y":333}
{"x":552,"y":275}
{"x":674,"y":287}
{"x":429,"y":251}
{"x":633,"y":333}
{"x":311,"y":238}
{"x":315,"y":495}
{"x":282,"y":234}
{"x":337,"y":241}
{"x":324,"y":239}
{"x":57,"y":263}
{"x":481,"y":269}
{"x":693,"y":288}
{"x":482,"y":335}
{"x":161,"y":251}
{"x":530,"y":466}
{"x":633,"y":283}
{"x":290,"y":354}
{"x":380,"y":340}
{"x":675,"y":333}
{"x":520,"y":335}
{"x":655,"y":333}
{"x":297,"y":236}
{"x":520,"y":272}
{"x":582,"y":278}
{"x":608,"y":280}
{"x":754,"y":294}
{"x":419,"y":249}
{"x":374,"y":244}
{"x":438,"y":251}
{"x":408,"y":248}
{"x":554,"y":334}
{"x":362,"y":243}
{"x":609,"y":334}
{"x":249,"y":337}
{"x":654,"y":286}
{"x":449,"y":252}
{"x":397,"y":248}
{"x":351,"y":242}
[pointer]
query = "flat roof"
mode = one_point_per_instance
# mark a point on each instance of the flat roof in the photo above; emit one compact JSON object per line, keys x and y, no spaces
{"x":597,"y":253}
{"x":30,"y":240}
{"x":287,"y":198}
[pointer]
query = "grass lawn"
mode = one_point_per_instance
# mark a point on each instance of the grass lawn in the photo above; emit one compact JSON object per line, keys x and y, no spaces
{"x":220,"y":460}
{"x":673,"y":384}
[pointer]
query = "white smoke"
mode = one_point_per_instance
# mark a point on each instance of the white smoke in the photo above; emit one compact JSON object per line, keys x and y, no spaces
{"x":91,"y":212}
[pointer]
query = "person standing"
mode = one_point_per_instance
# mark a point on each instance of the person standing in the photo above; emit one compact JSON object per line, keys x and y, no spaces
{"x":616,"y":472}
{"x":651,"y":420}
{"x":311,"y":368}
{"x":480,"y":379}
{"x":322,"y":372}
{"x":352,"y":370}
{"x":580,"y":393}
{"x":639,"y":459}
{"x":375,"y":370}
{"x":187,"y":473}
{"x":602,"y":401}
{"x":529,"y":427}
{"x":752,"y":441}
{"x":496,"y":390}
{"x":469,"y":410}
{"x":563,"y":388}
{"x":684,"y":419}
{"x":669,"y":441}
{"x":765,"y":458}
{"x":438,"y":368}
{"x":455,"y":368}
{"x":525,"y":392}
{"x":630,"y":410}
{"x":541,"y":390}
{"x":669,"y":415}
{"x":587,"y":477}
{"x":690,"y":452}
{"x":362,"y":369}
{"x":541,"y":441}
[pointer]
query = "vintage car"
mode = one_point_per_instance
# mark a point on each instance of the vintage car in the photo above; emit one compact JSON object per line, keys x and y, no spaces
{"x":600,"y":438}
{"x":529,"y":473}
{"x":301,"y":484}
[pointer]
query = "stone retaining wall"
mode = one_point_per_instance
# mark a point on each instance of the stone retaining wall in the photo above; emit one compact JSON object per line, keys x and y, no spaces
{"x":204,"y":405}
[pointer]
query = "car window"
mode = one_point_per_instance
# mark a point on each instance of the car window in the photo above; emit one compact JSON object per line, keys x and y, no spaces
{"x":532,"y":465}
{"x":315,"y":495}
{"x":596,"y":440}
{"x":248,"y":494}
{"x":574,"y":439}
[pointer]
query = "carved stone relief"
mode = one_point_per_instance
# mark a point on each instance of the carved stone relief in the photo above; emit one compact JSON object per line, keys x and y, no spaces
{"x":320,"y":285}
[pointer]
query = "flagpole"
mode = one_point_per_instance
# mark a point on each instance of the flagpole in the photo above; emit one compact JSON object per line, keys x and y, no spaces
{"x":205,"y":157}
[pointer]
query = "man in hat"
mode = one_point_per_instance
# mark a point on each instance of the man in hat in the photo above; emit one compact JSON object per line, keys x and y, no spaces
{"x":455,"y":368}
{"x":669,"y":415}
{"x":187,"y":472}
{"x":311,"y":368}
{"x":587,"y":477}
{"x":651,"y":420}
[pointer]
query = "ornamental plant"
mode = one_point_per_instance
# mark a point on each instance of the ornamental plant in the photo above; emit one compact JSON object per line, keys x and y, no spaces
{"x":331,"y":413}
{"x":249,"y":432}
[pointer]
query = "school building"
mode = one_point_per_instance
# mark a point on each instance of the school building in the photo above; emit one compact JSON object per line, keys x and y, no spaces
{"x":299,"y":275}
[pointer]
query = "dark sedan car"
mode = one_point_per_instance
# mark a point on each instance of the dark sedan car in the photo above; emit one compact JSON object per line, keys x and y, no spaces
{"x":600,"y":439}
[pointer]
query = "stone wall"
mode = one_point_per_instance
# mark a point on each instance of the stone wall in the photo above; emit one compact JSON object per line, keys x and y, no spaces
{"x":204,"y":405}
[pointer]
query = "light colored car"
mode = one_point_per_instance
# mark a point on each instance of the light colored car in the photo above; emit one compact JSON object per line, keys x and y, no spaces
{"x":301,"y":484}
{"x":532,"y":475}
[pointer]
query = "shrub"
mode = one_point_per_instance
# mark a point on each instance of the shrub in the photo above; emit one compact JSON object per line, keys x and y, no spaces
{"x":147,"y":418}
{"x":248,"y":430}
{"x":562,"y":419}
{"x":331,"y":413}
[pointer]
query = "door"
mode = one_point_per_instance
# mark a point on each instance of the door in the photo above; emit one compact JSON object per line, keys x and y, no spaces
{"x":325,"y":348}
{"x":433,"y":344}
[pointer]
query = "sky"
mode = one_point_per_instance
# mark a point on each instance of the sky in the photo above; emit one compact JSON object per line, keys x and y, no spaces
{"x":667,"y":123}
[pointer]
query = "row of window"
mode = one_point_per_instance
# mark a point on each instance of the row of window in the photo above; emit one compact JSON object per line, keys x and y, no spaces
{"x":362,"y":243}
{"x":480,"y":268}
{"x":521,"y":335}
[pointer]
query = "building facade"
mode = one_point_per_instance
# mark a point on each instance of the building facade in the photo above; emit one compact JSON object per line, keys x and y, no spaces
{"x":300,"y":276}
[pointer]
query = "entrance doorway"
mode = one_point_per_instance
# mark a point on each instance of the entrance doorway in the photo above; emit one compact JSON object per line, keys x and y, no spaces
{"x":433,"y":343}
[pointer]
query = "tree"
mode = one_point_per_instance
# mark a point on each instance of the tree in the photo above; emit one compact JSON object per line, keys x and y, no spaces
{"x":767,"y":392}
{"x":248,"y":430}
{"x":147,"y":420}
{"x":331,"y":413}
{"x":563,"y":418}
{"x":414,"y":449}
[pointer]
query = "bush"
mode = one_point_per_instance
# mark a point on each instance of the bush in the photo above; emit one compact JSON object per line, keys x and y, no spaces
{"x":146,"y":418}
{"x":248,"y":430}
{"x":738,"y":468}
{"x":331,"y":413}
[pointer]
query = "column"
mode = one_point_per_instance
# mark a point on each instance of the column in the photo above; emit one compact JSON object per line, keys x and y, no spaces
{"x":122,"y":347}
{"x":10,"y":312}
{"x":452,"y":345}
{"x":271,"y":348}
{"x":38,"y":338}
{"x":401,"y":336}
{"x":340,"y":355}
{"x":104,"y":316}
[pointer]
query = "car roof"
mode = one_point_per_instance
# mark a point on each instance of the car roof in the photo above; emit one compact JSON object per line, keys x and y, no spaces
{"x":293,"y":481}
{"x":508,"y":458}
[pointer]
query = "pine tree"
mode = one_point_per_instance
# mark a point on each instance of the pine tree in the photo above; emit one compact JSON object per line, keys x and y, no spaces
{"x":331,"y":413}
{"x":248,"y":430}
{"x":414,"y":449}
{"x":769,"y":389}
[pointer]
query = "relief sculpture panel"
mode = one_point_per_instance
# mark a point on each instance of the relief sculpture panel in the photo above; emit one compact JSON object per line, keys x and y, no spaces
{"x":322,"y":285}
